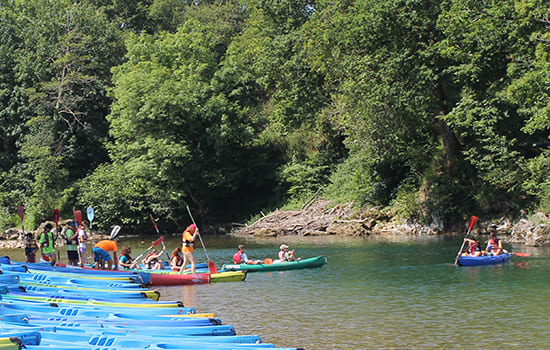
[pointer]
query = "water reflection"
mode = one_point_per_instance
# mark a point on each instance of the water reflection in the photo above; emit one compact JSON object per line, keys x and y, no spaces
{"x":378,"y":293}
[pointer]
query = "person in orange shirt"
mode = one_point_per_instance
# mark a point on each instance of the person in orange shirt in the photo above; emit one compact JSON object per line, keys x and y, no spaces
{"x":188,"y":246}
{"x":101,"y":254}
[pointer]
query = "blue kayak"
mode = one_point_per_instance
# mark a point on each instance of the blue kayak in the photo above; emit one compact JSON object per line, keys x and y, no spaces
{"x":483,"y":260}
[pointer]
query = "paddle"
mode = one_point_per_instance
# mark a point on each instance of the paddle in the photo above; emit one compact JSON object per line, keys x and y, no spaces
{"x":78,"y":217}
{"x":471,"y":225}
{"x":158,"y":233}
{"x":21,"y":213}
{"x":211,"y":266}
{"x":154,"y":244}
{"x":56,"y":220}
{"x":114,"y":232}
{"x":90,"y":213}
{"x":524,"y":255}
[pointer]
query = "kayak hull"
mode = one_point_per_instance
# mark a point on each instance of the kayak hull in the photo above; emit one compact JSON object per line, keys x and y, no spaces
{"x":171,"y":278}
{"x":483,"y":260}
{"x":317,"y":261}
{"x":167,"y":279}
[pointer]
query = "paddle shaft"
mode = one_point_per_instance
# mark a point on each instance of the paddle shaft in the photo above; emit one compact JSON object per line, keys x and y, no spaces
{"x":198,"y":233}
{"x":155,"y":243}
{"x":158,"y":233}
{"x":56,"y":220}
{"x":473,"y":221}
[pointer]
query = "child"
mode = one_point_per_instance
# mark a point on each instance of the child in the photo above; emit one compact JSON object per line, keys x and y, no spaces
{"x":82,"y":240}
{"x":152,"y":261}
{"x":30,"y":248}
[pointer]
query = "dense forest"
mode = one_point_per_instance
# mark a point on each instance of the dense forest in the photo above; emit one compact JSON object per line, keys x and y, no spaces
{"x":432,"y":108}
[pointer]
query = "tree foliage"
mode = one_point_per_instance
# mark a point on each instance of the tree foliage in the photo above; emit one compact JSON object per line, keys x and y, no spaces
{"x":435,"y":107}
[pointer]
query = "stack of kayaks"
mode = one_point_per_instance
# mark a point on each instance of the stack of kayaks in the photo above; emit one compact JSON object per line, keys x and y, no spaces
{"x":484,"y":260}
{"x":59,"y":310}
{"x":147,"y":277}
{"x":307,"y":263}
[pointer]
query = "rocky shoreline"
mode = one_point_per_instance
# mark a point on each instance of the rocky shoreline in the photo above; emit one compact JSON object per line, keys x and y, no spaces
{"x":321,"y":218}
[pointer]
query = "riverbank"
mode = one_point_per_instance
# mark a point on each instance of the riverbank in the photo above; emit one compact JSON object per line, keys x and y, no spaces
{"x":321,"y":218}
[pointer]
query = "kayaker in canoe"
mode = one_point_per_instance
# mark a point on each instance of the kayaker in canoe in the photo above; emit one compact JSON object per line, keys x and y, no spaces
{"x":152,"y":261}
{"x":494,"y":245}
{"x":46,"y":242}
{"x":101,"y":254}
{"x":241,"y":258}
{"x":473,"y":248}
{"x":285,"y":254}
{"x":125,"y":260}
{"x":176,"y":259}
{"x":188,"y":246}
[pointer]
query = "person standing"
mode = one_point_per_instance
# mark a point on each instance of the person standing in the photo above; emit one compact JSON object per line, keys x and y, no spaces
{"x":82,"y":240}
{"x":30,"y":248}
{"x":71,"y":243}
{"x":101,"y":254}
{"x":188,"y":246}
{"x":47,"y":247}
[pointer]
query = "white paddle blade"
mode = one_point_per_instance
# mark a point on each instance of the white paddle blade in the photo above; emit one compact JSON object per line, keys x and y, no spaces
{"x":114,"y":232}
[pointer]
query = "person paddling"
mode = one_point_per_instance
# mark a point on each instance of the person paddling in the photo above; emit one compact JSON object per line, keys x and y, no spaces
{"x":241,"y":258}
{"x":188,"y":246}
{"x":152,"y":261}
{"x":473,"y":248}
{"x":494,"y":245}
{"x":285,"y":254}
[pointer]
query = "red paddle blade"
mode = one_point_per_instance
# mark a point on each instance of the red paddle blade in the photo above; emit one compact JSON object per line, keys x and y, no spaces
{"x":212,"y":267}
{"x":56,"y":216}
{"x":158,"y":241}
{"x":522,"y":254}
{"x":472,"y":223}
{"x":21,"y":212}
{"x":78,"y":217}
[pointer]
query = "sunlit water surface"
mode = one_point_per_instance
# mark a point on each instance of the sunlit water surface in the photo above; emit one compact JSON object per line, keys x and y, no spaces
{"x":376,"y":293}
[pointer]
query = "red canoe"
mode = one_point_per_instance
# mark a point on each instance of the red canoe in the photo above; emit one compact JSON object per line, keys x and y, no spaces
{"x":160,"y":279}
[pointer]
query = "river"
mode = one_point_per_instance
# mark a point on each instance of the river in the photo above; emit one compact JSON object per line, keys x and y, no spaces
{"x":391,"y":293}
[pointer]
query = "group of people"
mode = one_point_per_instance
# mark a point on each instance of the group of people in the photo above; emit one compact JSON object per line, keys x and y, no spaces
{"x":178,"y":259}
{"x":494,"y":246}
{"x":284,"y":254}
{"x":75,"y":237}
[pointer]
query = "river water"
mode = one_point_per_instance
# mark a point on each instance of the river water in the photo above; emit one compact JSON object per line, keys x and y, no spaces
{"x":390,"y":293}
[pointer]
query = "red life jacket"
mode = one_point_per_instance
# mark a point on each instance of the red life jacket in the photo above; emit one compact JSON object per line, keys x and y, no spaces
{"x":179,"y":260}
{"x":237,"y":257}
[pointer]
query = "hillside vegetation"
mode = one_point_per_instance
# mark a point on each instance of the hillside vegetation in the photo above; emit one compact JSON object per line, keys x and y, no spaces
{"x":435,"y":110}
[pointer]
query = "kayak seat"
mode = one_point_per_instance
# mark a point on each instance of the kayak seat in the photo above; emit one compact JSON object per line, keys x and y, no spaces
{"x":101,"y":341}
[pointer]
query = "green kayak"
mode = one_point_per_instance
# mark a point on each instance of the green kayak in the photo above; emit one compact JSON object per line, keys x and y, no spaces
{"x":317,"y":261}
